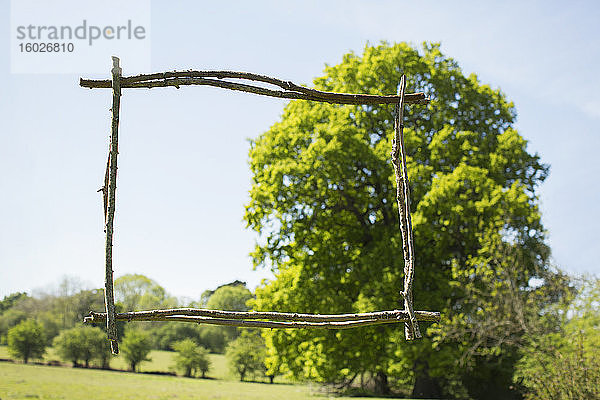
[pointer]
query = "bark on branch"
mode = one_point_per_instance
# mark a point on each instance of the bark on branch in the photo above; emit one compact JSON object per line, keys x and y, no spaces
{"x":252,"y":319}
{"x":411,"y":330}
{"x":290,"y":89}
{"x":109,"y":207}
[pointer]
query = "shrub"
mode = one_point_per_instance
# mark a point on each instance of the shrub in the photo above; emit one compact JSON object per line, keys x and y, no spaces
{"x":566,"y":364}
{"x":191,"y":358}
{"x":136,"y":347}
{"x":560,"y":372}
{"x":246,"y":354}
{"x":82,"y":344}
{"x":27,"y":340}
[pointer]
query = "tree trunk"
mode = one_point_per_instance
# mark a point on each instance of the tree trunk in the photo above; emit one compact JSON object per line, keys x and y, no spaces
{"x":382,"y":386}
{"x":425,"y":387}
{"x":133,"y":367}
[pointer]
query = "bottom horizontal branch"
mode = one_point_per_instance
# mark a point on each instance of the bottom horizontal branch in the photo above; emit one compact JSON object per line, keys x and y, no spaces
{"x":276,"y":320}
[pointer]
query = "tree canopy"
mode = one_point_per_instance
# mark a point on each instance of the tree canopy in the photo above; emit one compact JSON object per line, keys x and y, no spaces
{"x":323,"y":203}
{"x":138,"y":292}
{"x":10,"y":300}
{"x":230,"y":298}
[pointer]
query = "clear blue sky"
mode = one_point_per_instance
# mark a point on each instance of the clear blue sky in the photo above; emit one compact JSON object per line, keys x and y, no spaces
{"x":183,"y":175}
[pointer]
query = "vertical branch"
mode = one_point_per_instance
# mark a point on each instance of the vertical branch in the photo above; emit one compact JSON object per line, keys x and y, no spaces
{"x":109,"y":298}
{"x":411,"y":329}
{"x":105,"y":188}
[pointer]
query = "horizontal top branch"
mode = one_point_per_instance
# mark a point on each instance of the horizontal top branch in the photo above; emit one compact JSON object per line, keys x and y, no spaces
{"x":290,"y":89}
{"x":390,"y":316}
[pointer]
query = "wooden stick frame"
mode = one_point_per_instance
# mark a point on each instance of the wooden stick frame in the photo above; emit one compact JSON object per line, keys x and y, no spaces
{"x":254,"y":319}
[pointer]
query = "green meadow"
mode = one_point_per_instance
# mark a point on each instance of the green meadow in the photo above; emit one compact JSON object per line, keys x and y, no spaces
{"x":19,"y":381}
{"x":161,"y":361}
{"x":29,"y":381}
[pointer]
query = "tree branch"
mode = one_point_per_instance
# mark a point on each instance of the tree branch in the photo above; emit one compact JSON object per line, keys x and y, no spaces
{"x":249,"y":318}
{"x":290,"y":89}
{"x":109,"y":207}
{"x":411,"y":330}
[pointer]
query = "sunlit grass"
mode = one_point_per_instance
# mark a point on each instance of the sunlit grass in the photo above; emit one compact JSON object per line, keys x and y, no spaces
{"x":161,"y":361}
{"x":20,"y":381}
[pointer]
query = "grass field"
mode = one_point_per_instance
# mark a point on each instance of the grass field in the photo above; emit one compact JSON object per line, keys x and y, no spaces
{"x":27,"y":381}
{"x":20,"y":381}
{"x":162,"y":361}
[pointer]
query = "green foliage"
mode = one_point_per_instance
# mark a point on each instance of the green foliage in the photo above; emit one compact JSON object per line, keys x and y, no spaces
{"x":206,"y":295}
{"x":83,"y":344}
{"x":138,"y":292}
{"x":323,"y":202}
{"x":8,"y":319}
{"x":230,"y":298}
{"x":246,"y":355}
{"x":163,"y":361}
{"x":500,"y":310}
{"x":70,"y":346}
{"x":166,"y":335}
{"x":566,"y":364}
{"x":10,"y":300}
{"x":135,"y":347}
{"x":214,"y":338}
{"x":191,"y":358}
{"x":63,"y":308}
{"x":27,"y":340}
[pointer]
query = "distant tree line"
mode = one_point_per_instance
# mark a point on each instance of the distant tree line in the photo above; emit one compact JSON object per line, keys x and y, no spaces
{"x":31,"y":324}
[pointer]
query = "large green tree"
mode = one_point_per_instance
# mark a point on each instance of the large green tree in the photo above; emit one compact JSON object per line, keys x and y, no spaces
{"x":323,"y":203}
